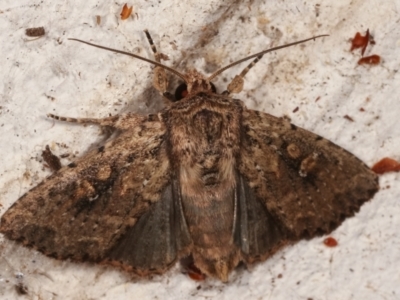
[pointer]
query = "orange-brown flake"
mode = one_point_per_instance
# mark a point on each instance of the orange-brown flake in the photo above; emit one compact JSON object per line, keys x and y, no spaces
{"x":360,"y":41}
{"x":386,"y":165}
{"x":370,"y":60}
{"x":330,"y":242}
{"x":126,"y":12}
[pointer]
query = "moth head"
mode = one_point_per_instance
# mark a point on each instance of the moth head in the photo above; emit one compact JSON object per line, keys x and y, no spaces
{"x":182,"y":90}
{"x":193,"y":81}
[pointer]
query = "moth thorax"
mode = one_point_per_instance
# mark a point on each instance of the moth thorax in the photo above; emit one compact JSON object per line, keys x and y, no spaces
{"x":209,"y":124}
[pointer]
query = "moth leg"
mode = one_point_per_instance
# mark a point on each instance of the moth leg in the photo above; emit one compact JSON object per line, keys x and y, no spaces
{"x":121,"y":122}
{"x":236,"y":85}
{"x":160,"y":80}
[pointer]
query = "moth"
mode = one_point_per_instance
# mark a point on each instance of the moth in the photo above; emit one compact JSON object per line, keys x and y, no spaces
{"x":205,"y":177}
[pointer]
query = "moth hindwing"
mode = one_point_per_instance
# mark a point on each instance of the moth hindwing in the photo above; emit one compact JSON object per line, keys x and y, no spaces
{"x":205,"y":177}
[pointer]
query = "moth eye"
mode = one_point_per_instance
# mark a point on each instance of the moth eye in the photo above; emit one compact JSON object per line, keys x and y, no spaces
{"x":213,"y":88}
{"x":181,"y":91}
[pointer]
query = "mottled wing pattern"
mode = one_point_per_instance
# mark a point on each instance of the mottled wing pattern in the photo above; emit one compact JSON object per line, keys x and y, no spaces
{"x":86,"y":208}
{"x":307,"y":184}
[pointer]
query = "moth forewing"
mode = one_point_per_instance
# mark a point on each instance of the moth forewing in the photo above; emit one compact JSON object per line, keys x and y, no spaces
{"x":205,"y":177}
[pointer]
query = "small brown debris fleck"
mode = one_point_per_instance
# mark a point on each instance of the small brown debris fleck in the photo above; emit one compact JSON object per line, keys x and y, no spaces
{"x":126,"y":12}
{"x":347,"y":117}
{"x":52,"y":160}
{"x":360,"y":41}
{"x":330,"y":242}
{"x":370,"y":60}
{"x":386,"y":165}
{"x":296,"y":109}
{"x":34,"y":32}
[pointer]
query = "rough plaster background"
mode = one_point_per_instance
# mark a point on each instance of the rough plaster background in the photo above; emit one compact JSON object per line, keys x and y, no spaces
{"x":52,"y":74}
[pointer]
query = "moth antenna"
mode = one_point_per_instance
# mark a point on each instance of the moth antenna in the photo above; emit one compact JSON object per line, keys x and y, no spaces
{"x":237,"y":83}
{"x":156,"y":63}
{"x":152,"y":46}
{"x":160,"y":79}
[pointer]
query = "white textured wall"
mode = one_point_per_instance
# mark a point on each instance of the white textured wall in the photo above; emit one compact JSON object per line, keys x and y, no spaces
{"x":52,"y":74}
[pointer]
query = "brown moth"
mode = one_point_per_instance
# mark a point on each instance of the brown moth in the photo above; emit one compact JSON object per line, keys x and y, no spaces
{"x":205,"y":177}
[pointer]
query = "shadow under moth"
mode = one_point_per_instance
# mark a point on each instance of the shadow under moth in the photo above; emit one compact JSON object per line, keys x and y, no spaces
{"x":204,"y":178}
